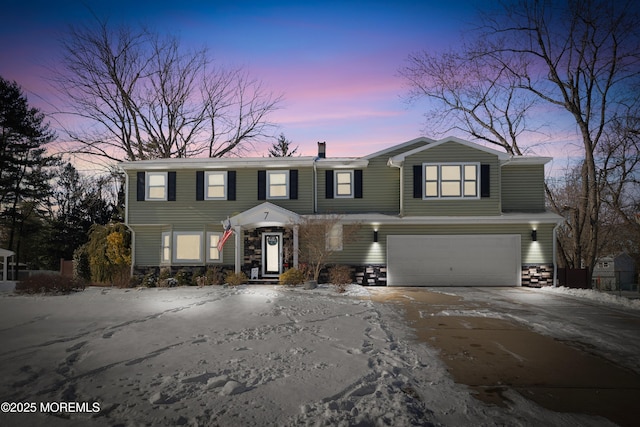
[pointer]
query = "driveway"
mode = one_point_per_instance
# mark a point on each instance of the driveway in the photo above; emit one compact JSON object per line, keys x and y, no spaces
{"x":564,"y":353}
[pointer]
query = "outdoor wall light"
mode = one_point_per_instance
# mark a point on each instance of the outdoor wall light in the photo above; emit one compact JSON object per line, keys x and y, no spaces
{"x":534,"y":236}
{"x":375,"y":236}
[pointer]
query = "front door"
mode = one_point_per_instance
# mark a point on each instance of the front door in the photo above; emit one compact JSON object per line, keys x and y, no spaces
{"x":271,"y":254}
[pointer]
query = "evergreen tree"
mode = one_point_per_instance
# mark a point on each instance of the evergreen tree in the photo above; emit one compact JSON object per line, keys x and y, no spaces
{"x":281,"y":148}
{"x":24,"y":169}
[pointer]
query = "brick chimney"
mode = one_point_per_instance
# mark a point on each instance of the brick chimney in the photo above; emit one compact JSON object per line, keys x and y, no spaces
{"x":322,"y":150}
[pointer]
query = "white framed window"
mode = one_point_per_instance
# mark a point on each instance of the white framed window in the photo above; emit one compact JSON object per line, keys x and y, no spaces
{"x":343,"y":184}
{"x":166,"y":248}
{"x":451,"y":180}
{"x":215,"y":185}
{"x":213,"y":254}
{"x":156,"y":185}
{"x":187,"y":246}
{"x":334,"y":238}
{"x":277,"y":184}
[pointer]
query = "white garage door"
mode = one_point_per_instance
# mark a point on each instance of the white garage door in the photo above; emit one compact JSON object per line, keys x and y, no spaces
{"x":470,"y":260}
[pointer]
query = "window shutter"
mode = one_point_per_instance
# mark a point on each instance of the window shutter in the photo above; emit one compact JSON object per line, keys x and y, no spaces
{"x":357,"y":184}
{"x":199,"y":185}
{"x":485,"y":181}
{"x":417,"y":181}
{"x":262,"y":185}
{"x":293,"y":184}
{"x":171,"y":190}
{"x":328,"y":192}
{"x":140,"y":187}
{"x":231,"y":185}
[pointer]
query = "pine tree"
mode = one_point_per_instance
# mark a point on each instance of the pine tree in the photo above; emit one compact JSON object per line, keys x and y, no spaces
{"x":281,"y":148}
{"x":24,"y":167}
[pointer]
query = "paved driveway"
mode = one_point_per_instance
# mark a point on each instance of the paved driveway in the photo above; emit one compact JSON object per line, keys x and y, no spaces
{"x":564,"y":353}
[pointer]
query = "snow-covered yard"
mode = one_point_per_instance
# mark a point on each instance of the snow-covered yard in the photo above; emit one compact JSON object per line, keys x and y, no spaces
{"x":245,"y":356}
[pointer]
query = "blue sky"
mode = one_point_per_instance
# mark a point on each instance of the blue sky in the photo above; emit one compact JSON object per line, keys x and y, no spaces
{"x":335,"y":62}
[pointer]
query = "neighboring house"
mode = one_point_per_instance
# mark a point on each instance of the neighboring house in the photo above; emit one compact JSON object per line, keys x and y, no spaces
{"x":614,"y":272}
{"x":433,"y":213}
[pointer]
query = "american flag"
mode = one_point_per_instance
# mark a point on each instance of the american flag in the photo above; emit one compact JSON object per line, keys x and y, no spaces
{"x":225,"y":236}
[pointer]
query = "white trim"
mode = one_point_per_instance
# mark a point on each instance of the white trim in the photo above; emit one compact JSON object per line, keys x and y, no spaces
{"x":351,"y":194}
{"x":226,"y":163}
{"x":508,"y":218}
{"x":208,"y":247}
{"x":225,"y":180}
{"x":175,"y":237}
{"x":147,"y":186}
{"x":163,"y":260}
{"x":287,"y":183}
{"x":439,"y":181}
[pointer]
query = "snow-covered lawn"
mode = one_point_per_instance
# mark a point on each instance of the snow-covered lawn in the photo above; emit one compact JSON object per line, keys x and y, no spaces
{"x":245,"y":356}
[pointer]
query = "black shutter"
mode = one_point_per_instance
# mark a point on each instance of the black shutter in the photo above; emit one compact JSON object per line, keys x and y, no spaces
{"x":231,"y":185}
{"x":417,"y":181}
{"x":262,"y":185}
{"x":293,"y":184}
{"x":199,"y":185}
{"x":328,"y":191}
{"x":171,"y":191}
{"x":140,"y":187}
{"x":357,"y":178}
{"x":485,"y":181}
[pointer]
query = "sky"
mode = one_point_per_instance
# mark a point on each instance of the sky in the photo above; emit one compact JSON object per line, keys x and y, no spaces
{"x":335,"y":62}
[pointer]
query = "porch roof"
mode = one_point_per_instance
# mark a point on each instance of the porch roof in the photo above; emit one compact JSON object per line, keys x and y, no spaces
{"x":265,"y":215}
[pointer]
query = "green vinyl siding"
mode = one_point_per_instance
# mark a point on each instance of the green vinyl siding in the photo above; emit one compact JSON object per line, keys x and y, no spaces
{"x":447,"y":153}
{"x":523,"y":188}
{"x":362,"y":249}
{"x":187,"y":212}
{"x":380,"y":187}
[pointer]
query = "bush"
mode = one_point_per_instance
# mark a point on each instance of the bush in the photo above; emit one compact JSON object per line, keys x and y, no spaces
{"x":136,"y":280}
{"x":340,"y":275}
{"x":235,"y":279}
{"x":49,"y":283}
{"x":292,"y":276}
{"x":214,"y":275}
{"x":183,"y":277}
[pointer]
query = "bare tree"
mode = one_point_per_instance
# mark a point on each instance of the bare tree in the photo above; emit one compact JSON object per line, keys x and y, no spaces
{"x":577,"y":57}
{"x":143,"y":96}
{"x":320,"y":237}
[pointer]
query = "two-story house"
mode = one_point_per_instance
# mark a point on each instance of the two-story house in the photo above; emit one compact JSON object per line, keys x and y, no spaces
{"x":429,"y":213}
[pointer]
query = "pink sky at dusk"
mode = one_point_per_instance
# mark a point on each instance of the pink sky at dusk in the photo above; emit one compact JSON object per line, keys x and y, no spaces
{"x":336,"y":63}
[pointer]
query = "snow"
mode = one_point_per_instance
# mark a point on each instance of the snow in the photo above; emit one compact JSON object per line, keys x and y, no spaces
{"x":235,"y":356}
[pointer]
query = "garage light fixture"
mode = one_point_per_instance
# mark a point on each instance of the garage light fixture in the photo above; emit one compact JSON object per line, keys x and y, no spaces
{"x":375,"y":236}
{"x":534,"y":236}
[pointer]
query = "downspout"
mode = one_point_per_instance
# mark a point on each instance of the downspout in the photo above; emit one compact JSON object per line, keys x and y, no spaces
{"x":555,"y":260}
{"x":400,"y":166}
{"x":126,"y":222}
{"x":315,"y":185}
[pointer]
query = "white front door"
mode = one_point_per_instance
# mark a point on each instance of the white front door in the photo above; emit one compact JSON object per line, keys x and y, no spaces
{"x":271,"y":254}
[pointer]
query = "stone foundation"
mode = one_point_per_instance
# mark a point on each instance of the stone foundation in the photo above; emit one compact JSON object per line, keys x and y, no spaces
{"x":537,"y":275}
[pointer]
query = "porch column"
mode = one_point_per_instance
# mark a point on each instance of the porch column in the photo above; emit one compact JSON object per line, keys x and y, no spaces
{"x":237,"y":230}
{"x":295,"y":246}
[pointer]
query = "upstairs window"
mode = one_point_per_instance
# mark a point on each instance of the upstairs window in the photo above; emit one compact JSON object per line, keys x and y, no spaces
{"x":156,"y":186}
{"x":451,"y":181}
{"x":344,"y":184}
{"x":277,"y":184}
{"x":216,"y":185}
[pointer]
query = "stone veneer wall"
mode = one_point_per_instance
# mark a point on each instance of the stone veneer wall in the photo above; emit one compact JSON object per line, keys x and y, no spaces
{"x":536,"y":275}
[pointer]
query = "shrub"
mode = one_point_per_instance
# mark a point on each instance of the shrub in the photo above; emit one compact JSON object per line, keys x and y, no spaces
{"x":136,"y":280}
{"x":340,"y":275}
{"x":150,"y":280}
{"x":49,"y":283}
{"x":214,"y":275}
{"x":81,"y":266}
{"x":182,"y":277}
{"x":292,"y":276}
{"x":235,"y":279}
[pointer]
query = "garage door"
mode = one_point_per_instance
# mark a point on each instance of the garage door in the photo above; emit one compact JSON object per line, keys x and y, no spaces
{"x":470,"y":260}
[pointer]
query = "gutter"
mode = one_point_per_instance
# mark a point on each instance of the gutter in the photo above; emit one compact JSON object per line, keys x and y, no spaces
{"x":399,"y":165}
{"x":554,"y":254}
